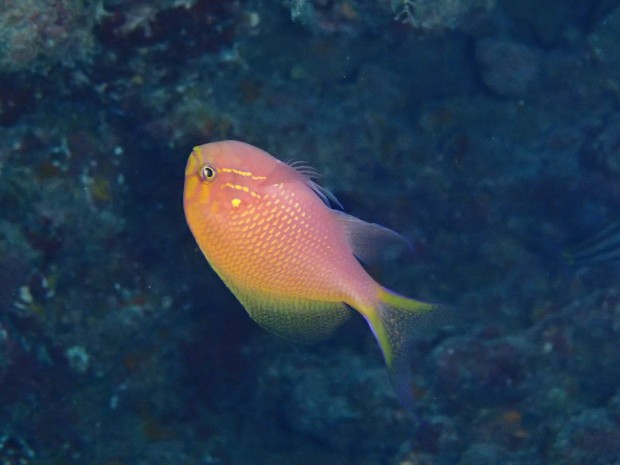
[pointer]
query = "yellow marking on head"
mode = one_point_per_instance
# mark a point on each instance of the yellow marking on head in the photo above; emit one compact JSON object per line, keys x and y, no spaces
{"x":247,"y":174}
{"x":239,"y":172}
{"x":239,"y":187}
{"x":193,"y":162}
{"x":235,"y":202}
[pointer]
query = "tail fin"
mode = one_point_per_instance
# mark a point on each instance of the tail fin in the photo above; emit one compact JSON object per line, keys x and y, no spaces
{"x":395,"y":323}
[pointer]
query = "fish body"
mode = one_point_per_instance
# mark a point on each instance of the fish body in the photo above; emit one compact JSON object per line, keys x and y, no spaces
{"x":292,"y":261}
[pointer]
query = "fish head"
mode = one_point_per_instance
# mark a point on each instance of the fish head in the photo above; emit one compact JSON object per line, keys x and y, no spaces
{"x":225,"y":176}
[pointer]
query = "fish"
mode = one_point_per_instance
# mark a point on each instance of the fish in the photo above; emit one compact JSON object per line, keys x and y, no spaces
{"x":602,"y":247}
{"x":295,"y":263}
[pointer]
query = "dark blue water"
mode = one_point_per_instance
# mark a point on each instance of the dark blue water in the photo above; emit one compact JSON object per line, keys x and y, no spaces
{"x":487,"y":133}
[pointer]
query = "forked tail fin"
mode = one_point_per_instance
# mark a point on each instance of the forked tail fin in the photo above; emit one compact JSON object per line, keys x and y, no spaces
{"x":395,"y":324}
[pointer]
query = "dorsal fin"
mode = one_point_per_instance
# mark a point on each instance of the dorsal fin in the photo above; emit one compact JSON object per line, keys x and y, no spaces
{"x":368,"y":240}
{"x":300,"y":172}
{"x":304,"y":169}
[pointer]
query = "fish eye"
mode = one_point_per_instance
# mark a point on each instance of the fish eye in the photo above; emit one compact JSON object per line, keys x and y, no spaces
{"x":207,"y":172}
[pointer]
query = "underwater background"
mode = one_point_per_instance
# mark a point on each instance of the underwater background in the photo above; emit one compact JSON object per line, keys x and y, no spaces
{"x":487,"y":132}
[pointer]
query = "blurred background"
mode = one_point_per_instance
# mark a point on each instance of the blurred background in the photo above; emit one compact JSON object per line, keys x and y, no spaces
{"x":485,"y":131}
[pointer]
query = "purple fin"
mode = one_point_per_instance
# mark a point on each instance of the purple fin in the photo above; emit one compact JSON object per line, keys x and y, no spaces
{"x":368,"y":240}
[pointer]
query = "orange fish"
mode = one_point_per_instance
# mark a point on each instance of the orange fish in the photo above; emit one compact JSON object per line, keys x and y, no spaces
{"x":268,"y":231}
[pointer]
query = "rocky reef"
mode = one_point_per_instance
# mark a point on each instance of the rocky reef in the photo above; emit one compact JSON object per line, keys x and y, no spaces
{"x":486,"y":132}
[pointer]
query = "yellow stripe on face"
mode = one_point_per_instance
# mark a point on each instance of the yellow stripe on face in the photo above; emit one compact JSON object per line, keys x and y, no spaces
{"x":193,"y":162}
{"x":193,"y":192}
{"x":242,"y":173}
{"x":239,"y":187}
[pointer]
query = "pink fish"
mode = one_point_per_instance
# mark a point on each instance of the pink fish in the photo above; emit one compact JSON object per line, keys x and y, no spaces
{"x":268,"y":231}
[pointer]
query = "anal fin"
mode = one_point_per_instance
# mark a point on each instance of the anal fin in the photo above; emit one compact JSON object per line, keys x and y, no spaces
{"x":299,"y":320}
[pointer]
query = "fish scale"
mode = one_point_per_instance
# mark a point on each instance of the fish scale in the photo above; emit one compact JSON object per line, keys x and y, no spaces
{"x":266,"y":239}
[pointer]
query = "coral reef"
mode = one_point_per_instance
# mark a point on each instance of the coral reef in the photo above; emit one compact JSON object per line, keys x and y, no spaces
{"x":41,"y":34}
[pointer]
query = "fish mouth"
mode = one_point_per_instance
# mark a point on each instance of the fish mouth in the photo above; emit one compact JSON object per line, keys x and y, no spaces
{"x":193,"y":163}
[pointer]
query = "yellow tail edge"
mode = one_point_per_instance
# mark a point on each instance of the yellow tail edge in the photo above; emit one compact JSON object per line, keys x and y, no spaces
{"x":395,"y":322}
